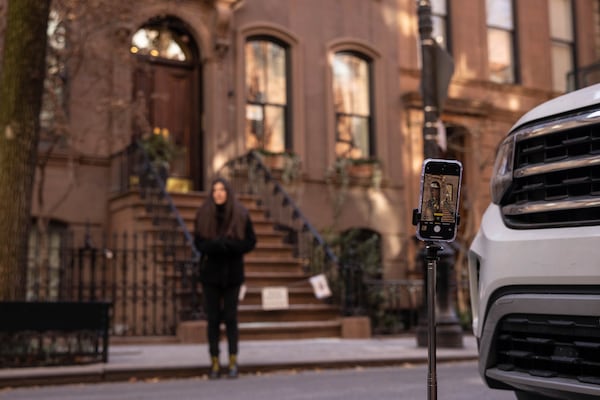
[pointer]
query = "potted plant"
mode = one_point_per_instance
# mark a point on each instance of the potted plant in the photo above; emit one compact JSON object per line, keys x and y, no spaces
{"x":160,"y":150}
{"x":363,"y":167}
{"x":356,"y":171}
{"x":285,"y":162}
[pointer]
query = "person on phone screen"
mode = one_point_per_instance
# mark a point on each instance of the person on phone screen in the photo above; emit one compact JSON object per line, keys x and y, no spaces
{"x":432,"y":210}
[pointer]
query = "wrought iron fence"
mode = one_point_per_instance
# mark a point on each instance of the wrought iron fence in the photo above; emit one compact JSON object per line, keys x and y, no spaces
{"x":142,"y":275}
{"x":133,"y":169}
{"x":393,"y":304}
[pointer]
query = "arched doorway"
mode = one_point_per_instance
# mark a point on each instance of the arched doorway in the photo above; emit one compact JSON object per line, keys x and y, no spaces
{"x":167,"y":79}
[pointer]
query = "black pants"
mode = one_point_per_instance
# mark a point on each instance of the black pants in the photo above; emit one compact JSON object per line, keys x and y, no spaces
{"x":221,"y":304}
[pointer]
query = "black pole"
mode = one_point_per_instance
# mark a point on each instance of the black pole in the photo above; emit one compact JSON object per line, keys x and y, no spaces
{"x":431,"y":255}
{"x":428,"y":81}
{"x":449,"y":332}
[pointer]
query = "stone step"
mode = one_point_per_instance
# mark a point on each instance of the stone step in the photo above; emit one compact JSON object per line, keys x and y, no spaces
{"x":295,"y":313}
{"x":290,"y":330}
{"x":262,"y":279}
{"x":297,"y":295}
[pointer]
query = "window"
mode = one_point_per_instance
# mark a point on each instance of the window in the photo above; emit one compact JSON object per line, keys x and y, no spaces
{"x":561,"y":36}
{"x":266,"y":95}
{"x":53,"y":114}
{"x":161,"y":40}
{"x":44,"y":262}
{"x":352,"y":104}
{"x":439,"y":19}
{"x":501,"y":54}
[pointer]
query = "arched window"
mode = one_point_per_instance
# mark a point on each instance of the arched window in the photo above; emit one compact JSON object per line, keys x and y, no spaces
{"x":162,"y":40}
{"x":267,"y":120}
{"x":352,"y":105}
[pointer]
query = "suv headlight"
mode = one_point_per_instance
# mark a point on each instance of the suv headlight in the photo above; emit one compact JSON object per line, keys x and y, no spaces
{"x":503,"y":169}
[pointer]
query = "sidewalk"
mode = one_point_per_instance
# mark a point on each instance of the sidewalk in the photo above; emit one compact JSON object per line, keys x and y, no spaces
{"x":128,"y":362}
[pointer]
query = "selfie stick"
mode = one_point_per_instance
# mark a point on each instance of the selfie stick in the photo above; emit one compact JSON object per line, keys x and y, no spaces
{"x":431,"y":255}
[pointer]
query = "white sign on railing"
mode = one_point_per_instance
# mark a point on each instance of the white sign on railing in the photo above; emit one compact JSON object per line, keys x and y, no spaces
{"x":320,"y":286}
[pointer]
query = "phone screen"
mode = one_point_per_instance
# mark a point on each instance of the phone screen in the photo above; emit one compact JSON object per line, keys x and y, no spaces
{"x":438,"y":206}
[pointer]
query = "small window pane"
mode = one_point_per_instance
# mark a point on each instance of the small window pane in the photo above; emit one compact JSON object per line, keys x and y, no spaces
{"x":500,"y":56}
{"x":161,"y":42}
{"x":561,"y":65}
{"x":353,"y":137}
{"x":266,"y":78}
{"x":499,"y":13}
{"x":561,"y":20}
{"x":351,"y":84}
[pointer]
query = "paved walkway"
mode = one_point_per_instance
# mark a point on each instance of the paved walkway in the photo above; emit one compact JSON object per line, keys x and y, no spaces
{"x":127,"y":362}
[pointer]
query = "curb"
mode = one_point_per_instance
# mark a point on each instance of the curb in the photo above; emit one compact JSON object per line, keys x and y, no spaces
{"x":98,"y":373}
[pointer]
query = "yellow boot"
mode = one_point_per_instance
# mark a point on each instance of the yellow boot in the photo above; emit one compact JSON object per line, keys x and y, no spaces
{"x":215,"y":368}
{"x":233,"y":367}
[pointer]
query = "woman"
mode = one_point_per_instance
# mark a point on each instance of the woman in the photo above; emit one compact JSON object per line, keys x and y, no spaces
{"x":223,"y":234}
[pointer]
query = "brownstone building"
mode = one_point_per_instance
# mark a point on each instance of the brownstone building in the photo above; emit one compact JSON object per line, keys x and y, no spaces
{"x":326,"y":80}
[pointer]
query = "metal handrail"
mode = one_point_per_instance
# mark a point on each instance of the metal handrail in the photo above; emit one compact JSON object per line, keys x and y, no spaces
{"x":149,"y":167}
{"x":250,"y":175}
{"x":252,"y":156}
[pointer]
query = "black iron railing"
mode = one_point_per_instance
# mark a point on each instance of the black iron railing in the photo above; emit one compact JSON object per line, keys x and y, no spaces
{"x":583,"y":76}
{"x":133,"y":169}
{"x":249,"y":175}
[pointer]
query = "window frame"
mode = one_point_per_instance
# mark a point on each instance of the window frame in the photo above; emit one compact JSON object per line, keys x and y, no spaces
{"x":286,"y":107}
{"x":512,"y":41}
{"x":370,"y":118}
{"x":556,"y":42}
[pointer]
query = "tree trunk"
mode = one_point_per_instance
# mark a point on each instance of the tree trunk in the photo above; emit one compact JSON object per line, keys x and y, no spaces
{"x":21,"y":87}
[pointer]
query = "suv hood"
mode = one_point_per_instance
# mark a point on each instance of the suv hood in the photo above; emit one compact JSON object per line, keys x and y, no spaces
{"x":578,"y":99}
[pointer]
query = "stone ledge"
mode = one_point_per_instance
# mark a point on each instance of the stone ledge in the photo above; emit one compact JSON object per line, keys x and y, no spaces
{"x":356,"y":328}
{"x":192,"y":332}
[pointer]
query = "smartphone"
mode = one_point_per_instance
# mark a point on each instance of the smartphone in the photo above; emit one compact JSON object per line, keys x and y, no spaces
{"x":438,"y":204}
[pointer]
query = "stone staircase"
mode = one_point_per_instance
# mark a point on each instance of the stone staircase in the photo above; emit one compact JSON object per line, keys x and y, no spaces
{"x":272,"y":263}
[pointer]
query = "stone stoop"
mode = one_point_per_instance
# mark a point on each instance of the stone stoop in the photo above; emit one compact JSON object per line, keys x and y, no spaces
{"x":272,"y":263}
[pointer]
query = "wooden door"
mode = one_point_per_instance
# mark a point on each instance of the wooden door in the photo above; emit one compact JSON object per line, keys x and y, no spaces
{"x":171,"y":94}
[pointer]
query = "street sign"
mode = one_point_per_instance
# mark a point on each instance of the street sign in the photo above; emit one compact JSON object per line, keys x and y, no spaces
{"x":444,"y":68}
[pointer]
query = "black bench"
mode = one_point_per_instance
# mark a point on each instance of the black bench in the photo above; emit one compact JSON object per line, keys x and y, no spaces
{"x":53,"y":333}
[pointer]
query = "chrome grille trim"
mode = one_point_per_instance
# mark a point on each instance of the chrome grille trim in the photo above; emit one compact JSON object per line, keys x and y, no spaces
{"x":556,"y":177}
{"x":550,"y":346}
{"x":571,"y":122}
{"x":537,"y":207}
{"x":580,"y":162}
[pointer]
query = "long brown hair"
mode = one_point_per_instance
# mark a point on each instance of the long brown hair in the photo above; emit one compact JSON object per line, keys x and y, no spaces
{"x":234,"y":215}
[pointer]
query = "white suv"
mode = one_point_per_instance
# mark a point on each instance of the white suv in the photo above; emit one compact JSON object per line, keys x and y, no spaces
{"x":534,"y":265}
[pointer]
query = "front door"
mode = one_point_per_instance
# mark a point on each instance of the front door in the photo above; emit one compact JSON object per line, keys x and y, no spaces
{"x":171,"y":93}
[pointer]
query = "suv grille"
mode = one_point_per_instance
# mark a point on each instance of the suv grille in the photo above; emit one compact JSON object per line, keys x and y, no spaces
{"x":556,"y":179}
{"x":550,"y":346}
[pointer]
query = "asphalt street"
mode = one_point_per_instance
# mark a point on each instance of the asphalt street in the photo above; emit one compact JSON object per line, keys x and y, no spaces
{"x":455,"y":381}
